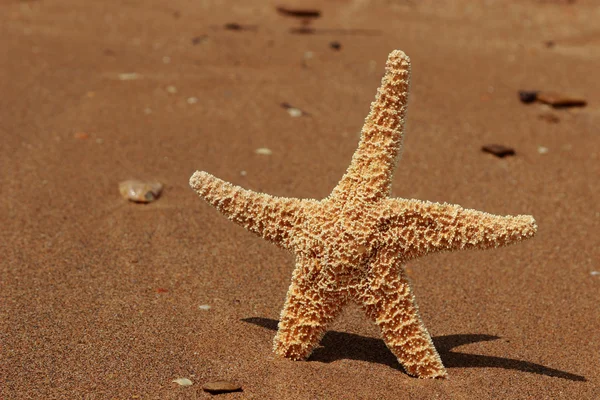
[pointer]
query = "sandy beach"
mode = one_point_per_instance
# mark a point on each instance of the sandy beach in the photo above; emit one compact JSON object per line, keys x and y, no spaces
{"x":103,"y":298}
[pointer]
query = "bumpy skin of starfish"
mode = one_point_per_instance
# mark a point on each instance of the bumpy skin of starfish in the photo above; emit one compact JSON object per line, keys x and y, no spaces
{"x":351,"y":246}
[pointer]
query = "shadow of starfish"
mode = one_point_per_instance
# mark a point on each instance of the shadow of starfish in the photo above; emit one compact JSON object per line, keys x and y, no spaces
{"x":340,"y":345}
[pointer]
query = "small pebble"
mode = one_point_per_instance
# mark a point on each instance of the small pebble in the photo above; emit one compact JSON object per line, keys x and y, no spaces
{"x":139,"y":191}
{"x":204,"y":307}
{"x":595,"y":273}
{"x":166,"y":59}
{"x":263,"y":151}
{"x":560,"y":100}
{"x":335,"y":45}
{"x":306,"y":57}
{"x":129,"y":76}
{"x":171,"y":89}
{"x":217,"y":387}
{"x":498,"y":150}
{"x":81,"y":135}
{"x":233,"y":26}
{"x":147,"y":111}
{"x":243,"y":173}
{"x":192,"y":100}
{"x":299,"y":12}
{"x":183,"y":382}
{"x":294,"y":112}
{"x":542,"y":150}
{"x":528,"y":96}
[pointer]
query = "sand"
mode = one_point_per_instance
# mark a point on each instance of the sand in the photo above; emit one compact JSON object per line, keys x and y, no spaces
{"x":106,"y":299}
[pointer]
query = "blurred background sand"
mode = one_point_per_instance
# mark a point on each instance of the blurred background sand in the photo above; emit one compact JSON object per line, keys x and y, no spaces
{"x":103,"y":299}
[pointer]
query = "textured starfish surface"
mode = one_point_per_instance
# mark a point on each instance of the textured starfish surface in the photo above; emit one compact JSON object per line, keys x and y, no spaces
{"x":351,"y":246}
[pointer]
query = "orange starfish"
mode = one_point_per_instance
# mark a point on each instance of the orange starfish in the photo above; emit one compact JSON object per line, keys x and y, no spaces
{"x":352,"y":245}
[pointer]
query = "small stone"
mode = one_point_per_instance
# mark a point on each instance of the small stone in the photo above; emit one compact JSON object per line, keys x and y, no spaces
{"x":171,"y":89}
{"x":147,"y":111}
{"x":217,"y":387}
{"x":595,"y":273}
{"x":263,"y":151}
{"x":243,"y":173}
{"x":542,"y":150}
{"x":306,"y":59}
{"x":233,"y":26}
{"x":166,"y":59}
{"x":139,"y":191}
{"x":498,"y":150}
{"x":81,"y":135}
{"x":294,"y":112}
{"x":129,"y":76}
{"x":204,"y":307}
{"x":335,"y":45}
{"x":183,"y":382}
{"x":528,"y":96}
{"x":299,"y":12}
{"x":549,"y":117}
{"x":560,"y":100}
{"x":192,"y":100}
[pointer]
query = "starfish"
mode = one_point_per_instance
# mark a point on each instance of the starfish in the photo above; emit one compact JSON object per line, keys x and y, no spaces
{"x":352,"y":245}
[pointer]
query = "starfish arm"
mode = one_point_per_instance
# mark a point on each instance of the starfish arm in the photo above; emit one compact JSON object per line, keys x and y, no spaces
{"x":418,"y":227}
{"x":273,"y":218}
{"x":308,"y":308}
{"x":371,"y":171}
{"x":388,"y":300}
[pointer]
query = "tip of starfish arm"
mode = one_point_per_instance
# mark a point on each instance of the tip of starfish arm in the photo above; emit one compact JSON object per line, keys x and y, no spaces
{"x":398,"y":57}
{"x":197,"y":179}
{"x":531,"y":226}
{"x":397,"y":53}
